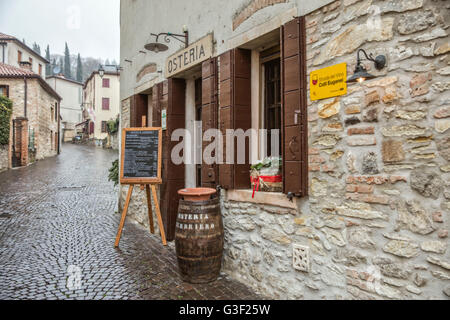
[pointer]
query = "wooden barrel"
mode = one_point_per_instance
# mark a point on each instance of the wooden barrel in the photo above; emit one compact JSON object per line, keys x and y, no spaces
{"x":199,"y":240}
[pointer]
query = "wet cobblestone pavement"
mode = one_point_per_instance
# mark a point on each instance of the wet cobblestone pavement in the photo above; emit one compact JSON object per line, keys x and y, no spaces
{"x":57,"y":229}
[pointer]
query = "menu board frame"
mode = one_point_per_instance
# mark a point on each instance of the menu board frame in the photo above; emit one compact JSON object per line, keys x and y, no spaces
{"x":140,"y":180}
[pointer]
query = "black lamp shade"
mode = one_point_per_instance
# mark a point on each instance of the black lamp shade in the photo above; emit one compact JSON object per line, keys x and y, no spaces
{"x":156,"y":47}
{"x":101,"y":72}
{"x":360,"y":75}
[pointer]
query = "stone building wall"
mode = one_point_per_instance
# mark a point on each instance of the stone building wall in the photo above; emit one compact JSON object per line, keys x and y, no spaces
{"x":4,"y":159}
{"x":375,"y":225}
{"x":46,"y":124}
{"x":39,"y":103}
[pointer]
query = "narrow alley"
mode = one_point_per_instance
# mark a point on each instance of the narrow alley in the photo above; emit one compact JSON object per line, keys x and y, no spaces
{"x":58,"y":222}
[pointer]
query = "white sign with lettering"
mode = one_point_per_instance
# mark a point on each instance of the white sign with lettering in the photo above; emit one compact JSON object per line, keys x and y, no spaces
{"x":196,"y":53}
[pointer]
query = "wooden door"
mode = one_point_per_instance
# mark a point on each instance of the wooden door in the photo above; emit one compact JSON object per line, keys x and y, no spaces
{"x":138,"y":108}
{"x":173,"y":101}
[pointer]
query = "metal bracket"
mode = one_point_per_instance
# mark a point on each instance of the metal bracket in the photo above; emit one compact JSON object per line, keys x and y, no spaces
{"x":296,"y":113}
{"x":173,"y":35}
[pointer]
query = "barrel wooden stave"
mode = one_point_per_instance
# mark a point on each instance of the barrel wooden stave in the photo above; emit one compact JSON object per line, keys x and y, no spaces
{"x":199,"y":249}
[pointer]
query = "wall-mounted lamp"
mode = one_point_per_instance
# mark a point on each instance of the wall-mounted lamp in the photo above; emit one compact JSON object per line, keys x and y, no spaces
{"x":101,"y":71}
{"x":361,"y":73}
{"x":160,"y":47}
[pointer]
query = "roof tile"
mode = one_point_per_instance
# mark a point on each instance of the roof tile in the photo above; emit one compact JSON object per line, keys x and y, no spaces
{"x":8,"y":70}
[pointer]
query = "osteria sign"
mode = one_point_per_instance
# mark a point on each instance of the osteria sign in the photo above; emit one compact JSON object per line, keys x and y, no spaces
{"x":197,"y":52}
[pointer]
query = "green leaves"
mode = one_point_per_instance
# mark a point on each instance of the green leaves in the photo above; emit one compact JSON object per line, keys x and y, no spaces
{"x":5,"y":119}
{"x":114,"y":172}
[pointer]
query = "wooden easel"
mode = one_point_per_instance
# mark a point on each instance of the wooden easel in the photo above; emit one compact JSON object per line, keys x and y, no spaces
{"x":150,"y":213}
{"x":147,"y":187}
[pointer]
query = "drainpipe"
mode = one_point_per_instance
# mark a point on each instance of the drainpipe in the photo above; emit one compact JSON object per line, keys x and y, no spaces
{"x":25,"y":98}
{"x":59,"y":125}
{"x":3,"y":51}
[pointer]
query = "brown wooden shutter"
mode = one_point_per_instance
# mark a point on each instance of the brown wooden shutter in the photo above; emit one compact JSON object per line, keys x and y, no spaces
{"x":210,"y":173}
{"x":294,"y":104}
{"x":156,"y":105}
{"x":138,"y":108}
{"x":173,"y":100}
{"x":235,"y":112}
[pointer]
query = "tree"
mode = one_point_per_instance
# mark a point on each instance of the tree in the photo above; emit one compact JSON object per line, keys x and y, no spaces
{"x":67,"y":71}
{"x":107,"y":62}
{"x":48,"y":66}
{"x":54,"y":64}
{"x":114,"y":62}
{"x":79,"y":69}
{"x":61,"y":66}
{"x":37,"y":48}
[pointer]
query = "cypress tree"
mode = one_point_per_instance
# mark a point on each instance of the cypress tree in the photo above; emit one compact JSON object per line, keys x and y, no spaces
{"x":67,"y":71}
{"x":37,"y":48}
{"x":48,"y":66}
{"x":61,"y":66}
{"x":79,"y":69}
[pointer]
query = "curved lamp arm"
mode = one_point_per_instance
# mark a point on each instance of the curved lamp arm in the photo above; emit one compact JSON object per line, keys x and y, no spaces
{"x":380,"y":61}
{"x":173,"y":35}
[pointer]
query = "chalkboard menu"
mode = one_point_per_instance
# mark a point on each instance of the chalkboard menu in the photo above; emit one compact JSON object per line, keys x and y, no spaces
{"x":141,"y":156}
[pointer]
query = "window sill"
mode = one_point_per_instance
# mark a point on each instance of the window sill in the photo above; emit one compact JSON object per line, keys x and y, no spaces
{"x":270,"y":198}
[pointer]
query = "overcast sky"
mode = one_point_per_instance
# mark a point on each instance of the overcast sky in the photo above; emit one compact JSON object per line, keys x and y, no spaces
{"x":90,"y":27}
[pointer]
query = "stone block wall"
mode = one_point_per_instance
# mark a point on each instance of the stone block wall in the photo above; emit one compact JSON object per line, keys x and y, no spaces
{"x":44,"y":123}
{"x":4,"y":157}
{"x":39,"y":104}
{"x":375,"y":225}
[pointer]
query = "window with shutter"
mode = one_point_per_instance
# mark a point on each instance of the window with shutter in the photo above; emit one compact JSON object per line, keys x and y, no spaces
{"x":105,"y":83}
{"x":235,"y":113}
{"x":105,"y":103}
{"x":4,"y":91}
{"x":209,"y":117}
{"x":104,"y":126}
{"x":294,"y":104}
{"x":91,"y":127}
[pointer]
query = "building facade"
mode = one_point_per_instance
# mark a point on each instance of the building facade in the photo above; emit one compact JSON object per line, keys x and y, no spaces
{"x":13,"y":52}
{"x":35,"y":122}
{"x":101,"y":101}
{"x":365,"y":202}
{"x":71,"y":105}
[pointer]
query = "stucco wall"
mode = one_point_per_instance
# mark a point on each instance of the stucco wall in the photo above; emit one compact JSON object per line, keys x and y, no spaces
{"x":12,"y":53}
{"x":201,"y":17}
{"x":71,"y":94}
{"x":94,"y":92}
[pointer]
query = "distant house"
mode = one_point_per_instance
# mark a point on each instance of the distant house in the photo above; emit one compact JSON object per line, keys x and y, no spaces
{"x":34,"y":130}
{"x":71,"y":92}
{"x":101,"y":100}
{"x":13,"y":52}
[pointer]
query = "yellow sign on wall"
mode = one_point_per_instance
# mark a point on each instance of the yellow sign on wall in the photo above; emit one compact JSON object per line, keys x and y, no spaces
{"x":328,"y":82}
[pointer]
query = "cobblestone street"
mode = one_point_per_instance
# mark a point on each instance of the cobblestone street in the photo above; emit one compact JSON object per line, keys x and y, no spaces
{"x":58,"y":217}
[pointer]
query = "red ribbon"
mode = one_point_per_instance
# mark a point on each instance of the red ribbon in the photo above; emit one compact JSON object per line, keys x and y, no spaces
{"x":256,"y":180}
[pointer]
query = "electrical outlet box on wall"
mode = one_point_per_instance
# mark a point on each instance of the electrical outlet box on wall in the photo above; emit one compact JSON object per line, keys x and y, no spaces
{"x":300,"y":257}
